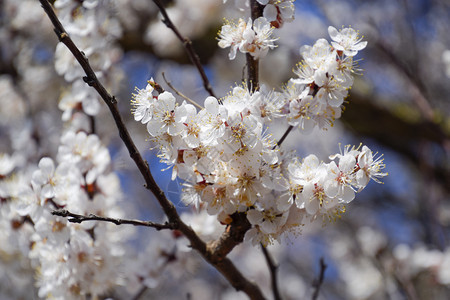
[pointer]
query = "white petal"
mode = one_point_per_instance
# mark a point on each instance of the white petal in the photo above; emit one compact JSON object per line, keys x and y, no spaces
{"x":270,"y":227}
{"x":270,"y":13}
{"x":47,"y":166}
{"x":331,"y":188}
{"x":168,"y":99}
{"x":348,"y":195}
{"x":47,"y":192}
{"x":156,"y":128}
{"x":212,"y":105}
{"x":333,"y":33}
{"x":312,"y":206}
{"x":254,"y":216}
{"x":284,"y":202}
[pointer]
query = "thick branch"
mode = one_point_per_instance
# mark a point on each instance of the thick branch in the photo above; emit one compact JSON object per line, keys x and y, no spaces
{"x":187,"y":46}
{"x":233,"y":236}
{"x":252,"y":63}
{"x":223,"y":265}
{"x":75,"y":218}
{"x":273,"y":273}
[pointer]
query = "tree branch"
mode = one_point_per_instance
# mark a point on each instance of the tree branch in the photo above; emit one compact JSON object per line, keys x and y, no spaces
{"x":286,"y":133}
{"x":273,"y":273}
{"x":252,"y":63}
{"x":318,"y":282}
{"x":76,"y":218}
{"x":181,"y":94}
{"x":223,"y":265}
{"x":232,"y":236}
{"x":187,"y":46}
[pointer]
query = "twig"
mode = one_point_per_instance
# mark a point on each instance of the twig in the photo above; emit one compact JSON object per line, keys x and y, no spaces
{"x":76,"y":218}
{"x":284,"y":135}
{"x":273,"y":273}
{"x":421,"y":99}
{"x":179,"y":93}
{"x":92,"y":125}
{"x":140,"y":293}
{"x":222,"y":264}
{"x":187,"y":46}
{"x":318,"y":282}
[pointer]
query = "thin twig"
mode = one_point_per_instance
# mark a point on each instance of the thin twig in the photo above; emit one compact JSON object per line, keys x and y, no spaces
{"x":273,"y":273}
{"x":140,"y":293}
{"x":92,"y":124}
{"x":187,"y":46}
{"x":221,"y":263}
{"x":284,"y":135}
{"x":76,"y":218}
{"x":318,"y":282}
{"x":180,"y":94}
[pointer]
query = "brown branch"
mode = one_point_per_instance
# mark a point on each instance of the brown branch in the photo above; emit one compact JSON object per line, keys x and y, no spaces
{"x":187,"y":43}
{"x":273,"y":272}
{"x":223,"y":265}
{"x":76,"y":218}
{"x":233,"y":235}
{"x":252,"y":63}
{"x":318,"y":282}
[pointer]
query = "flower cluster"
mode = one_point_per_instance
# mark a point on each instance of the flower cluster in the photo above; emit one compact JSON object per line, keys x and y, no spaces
{"x":93,"y":28}
{"x":324,"y":77}
{"x":60,"y":246}
{"x":230,"y":165}
{"x":249,"y":37}
{"x":277,"y":12}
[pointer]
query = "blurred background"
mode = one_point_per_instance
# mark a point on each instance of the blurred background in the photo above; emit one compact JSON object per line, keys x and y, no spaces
{"x":393,"y":242}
